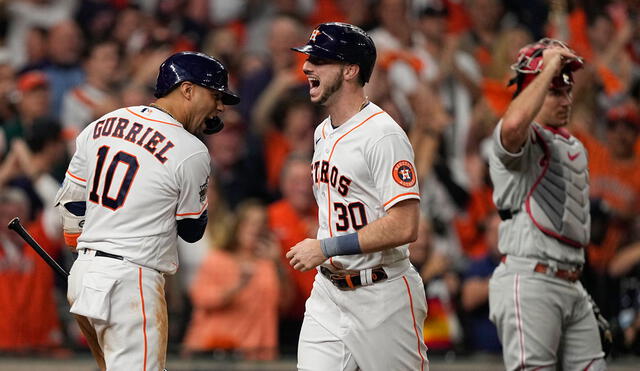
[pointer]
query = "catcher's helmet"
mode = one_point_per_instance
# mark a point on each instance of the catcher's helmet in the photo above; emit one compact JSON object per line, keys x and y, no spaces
{"x":342,"y":42}
{"x":197,"y":68}
{"x":529,"y":64}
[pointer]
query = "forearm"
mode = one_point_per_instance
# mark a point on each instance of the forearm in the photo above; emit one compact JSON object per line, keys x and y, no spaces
{"x":523,"y":109}
{"x":398,"y":227}
{"x":624,"y":261}
{"x":475,"y":292}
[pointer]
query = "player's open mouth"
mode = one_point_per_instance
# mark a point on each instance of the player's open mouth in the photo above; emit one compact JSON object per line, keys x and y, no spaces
{"x":314,"y":83}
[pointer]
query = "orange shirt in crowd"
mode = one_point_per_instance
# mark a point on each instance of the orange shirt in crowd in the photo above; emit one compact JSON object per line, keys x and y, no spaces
{"x":28,"y":315}
{"x":618,"y":184}
{"x":467,"y":225}
{"x":291,"y":228}
{"x":249,"y":323}
{"x":276,"y":151}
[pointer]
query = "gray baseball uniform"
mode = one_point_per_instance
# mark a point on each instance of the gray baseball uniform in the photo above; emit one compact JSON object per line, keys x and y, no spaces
{"x":541,"y":310}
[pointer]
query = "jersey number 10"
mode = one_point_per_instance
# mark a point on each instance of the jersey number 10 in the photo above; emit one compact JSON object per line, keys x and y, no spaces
{"x":132,"y":169}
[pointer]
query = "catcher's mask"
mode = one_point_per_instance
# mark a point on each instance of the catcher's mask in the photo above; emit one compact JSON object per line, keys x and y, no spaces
{"x":529,"y":63}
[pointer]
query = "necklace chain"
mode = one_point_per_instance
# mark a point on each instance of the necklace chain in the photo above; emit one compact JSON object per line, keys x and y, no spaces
{"x":161,"y":109}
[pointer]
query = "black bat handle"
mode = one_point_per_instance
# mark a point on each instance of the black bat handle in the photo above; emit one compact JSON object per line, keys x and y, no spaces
{"x":15,"y":226}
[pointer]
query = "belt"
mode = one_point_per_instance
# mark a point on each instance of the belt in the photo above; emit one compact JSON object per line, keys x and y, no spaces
{"x":571,"y":275}
{"x":105,"y":254}
{"x":347,"y":281}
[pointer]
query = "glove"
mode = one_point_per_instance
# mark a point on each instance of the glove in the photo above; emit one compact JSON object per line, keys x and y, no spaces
{"x":606,"y":336}
{"x":213,"y":125}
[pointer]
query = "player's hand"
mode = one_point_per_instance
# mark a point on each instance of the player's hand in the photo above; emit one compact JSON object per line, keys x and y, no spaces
{"x":306,"y":255}
{"x":555,"y":57}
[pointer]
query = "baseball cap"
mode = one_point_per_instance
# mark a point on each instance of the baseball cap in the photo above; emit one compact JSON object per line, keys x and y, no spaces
{"x":435,"y":9}
{"x":627,"y":112}
{"x":32,"y":80}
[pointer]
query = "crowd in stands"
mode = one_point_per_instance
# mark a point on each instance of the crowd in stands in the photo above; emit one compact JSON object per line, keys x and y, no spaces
{"x":442,"y":73}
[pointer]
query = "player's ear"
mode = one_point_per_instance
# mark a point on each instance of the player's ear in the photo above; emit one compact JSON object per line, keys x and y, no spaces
{"x":187,"y":89}
{"x":350,"y":71}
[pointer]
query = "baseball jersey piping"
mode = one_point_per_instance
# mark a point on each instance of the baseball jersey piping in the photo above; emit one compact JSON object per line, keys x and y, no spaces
{"x":400,"y":195}
{"x":144,"y":320}
{"x":329,"y":160}
{"x":413,"y":317}
{"x":76,"y":177}
{"x":150,"y":119}
{"x":197,"y":212}
{"x":519,"y":323}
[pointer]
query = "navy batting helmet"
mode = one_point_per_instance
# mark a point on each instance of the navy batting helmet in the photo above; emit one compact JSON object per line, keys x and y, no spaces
{"x":342,"y":42}
{"x":197,"y":68}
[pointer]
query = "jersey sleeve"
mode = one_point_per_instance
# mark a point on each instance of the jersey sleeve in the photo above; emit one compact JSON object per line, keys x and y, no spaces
{"x":77,"y":170}
{"x":193,"y":178}
{"x":393,"y":171}
{"x":510,"y":160}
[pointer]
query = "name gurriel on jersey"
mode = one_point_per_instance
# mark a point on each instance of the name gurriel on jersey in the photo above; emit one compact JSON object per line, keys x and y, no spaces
{"x":109,"y":128}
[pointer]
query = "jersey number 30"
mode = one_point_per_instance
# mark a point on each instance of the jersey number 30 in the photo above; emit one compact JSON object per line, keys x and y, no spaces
{"x":132,"y":169}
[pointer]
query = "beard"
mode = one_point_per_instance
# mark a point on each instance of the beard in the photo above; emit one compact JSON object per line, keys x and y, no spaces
{"x":332,"y":87}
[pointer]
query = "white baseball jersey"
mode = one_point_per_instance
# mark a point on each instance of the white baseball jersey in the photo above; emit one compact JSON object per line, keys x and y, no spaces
{"x":360,"y":170}
{"x":142,"y":172}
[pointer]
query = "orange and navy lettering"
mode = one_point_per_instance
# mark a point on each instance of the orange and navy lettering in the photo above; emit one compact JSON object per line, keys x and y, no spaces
{"x":333,"y":177}
{"x":115,"y":127}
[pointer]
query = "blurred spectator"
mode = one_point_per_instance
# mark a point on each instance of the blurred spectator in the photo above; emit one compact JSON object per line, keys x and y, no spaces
{"x":7,"y":89}
{"x":457,"y":78}
{"x":481,"y":332}
{"x":288,"y":130}
{"x":615,"y":194}
{"x":28,"y":316}
{"x":625,"y":265}
{"x":442,"y":330}
{"x":488,"y":20}
{"x":95,"y":97}
{"x":25,"y":14}
{"x":65,"y":44}
{"x":237,"y":162}
{"x":237,"y":291}
{"x":33,"y":97}
{"x":36,"y":42}
{"x":275,"y":70}
{"x":292,"y":219}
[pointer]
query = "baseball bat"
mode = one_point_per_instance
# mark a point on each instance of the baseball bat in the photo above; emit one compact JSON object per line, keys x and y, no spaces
{"x":86,"y":328}
{"x":15,"y":226}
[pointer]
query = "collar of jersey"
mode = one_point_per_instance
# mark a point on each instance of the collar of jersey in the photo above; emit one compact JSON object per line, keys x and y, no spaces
{"x":367,"y":111}
{"x":161,"y":116}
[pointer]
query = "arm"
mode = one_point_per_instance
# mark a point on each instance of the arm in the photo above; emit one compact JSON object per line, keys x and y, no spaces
{"x":625,"y":260}
{"x":398,"y":227}
{"x":475,"y":292}
{"x":524,"y":108}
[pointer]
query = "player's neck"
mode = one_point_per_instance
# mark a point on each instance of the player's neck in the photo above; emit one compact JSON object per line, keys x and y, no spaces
{"x":170,"y":109}
{"x":346,"y":106}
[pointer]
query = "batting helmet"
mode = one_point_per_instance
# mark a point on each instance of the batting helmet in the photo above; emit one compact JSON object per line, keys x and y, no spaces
{"x":197,"y":68}
{"x":529,"y":64}
{"x":342,"y":42}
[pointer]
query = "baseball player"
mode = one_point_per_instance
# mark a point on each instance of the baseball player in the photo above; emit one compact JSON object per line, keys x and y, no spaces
{"x":137,"y":181}
{"x":367,"y":306}
{"x":541,"y":189}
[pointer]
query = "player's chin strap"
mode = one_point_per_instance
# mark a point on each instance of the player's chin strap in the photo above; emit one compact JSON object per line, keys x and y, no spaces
{"x":213,"y":125}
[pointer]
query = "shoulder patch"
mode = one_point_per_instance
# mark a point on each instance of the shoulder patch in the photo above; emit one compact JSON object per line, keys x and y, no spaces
{"x":404,"y":174}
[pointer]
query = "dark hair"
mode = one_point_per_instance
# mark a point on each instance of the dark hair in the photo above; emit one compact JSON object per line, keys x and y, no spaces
{"x":42,"y":132}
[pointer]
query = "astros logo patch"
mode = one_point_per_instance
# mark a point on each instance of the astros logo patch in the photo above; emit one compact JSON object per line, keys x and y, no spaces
{"x":314,"y":34}
{"x":404,"y":174}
